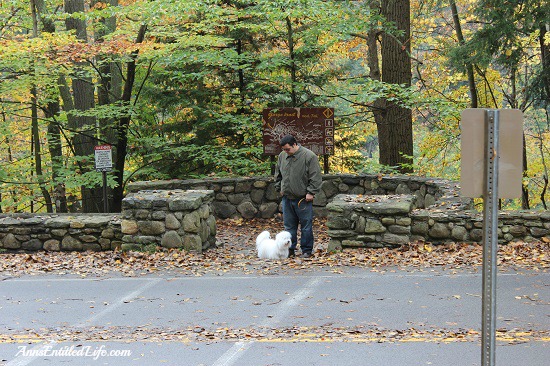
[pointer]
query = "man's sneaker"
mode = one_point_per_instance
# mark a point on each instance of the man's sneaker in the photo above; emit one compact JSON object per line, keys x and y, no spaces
{"x":307,"y":255}
{"x":291,"y":253}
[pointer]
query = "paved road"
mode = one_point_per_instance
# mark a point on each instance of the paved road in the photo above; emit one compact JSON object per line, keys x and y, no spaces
{"x":358,"y":317}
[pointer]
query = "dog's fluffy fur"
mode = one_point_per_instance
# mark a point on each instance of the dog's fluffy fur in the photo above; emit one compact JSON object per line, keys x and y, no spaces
{"x":273,"y":249}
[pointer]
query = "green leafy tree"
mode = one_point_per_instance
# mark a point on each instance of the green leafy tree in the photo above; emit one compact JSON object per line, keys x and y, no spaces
{"x":222,"y":62}
{"x":177,"y":87}
{"x":385,"y":89}
{"x":503,"y":41}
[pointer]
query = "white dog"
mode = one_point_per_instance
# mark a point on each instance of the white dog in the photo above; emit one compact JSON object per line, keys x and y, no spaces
{"x":273,"y":249}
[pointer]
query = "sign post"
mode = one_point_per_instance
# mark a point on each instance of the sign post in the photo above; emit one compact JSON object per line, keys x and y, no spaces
{"x":104,"y":163}
{"x":491,"y":148}
{"x":490,"y":238}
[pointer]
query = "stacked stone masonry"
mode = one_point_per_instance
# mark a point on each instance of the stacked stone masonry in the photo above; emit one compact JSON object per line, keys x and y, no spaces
{"x":371,"y":221}
{"x":169,"y":218}
{"x":257,"y":196}
{"x":436,"y":213}
{"x":389,"y":221}
{"x":172,"y":219}
{"x":60,"y":232}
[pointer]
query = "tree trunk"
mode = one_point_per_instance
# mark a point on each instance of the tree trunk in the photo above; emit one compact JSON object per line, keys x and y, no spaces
{"x":56,"y":154}
{"x":395,"y":128}
{"x":469,"y":67}
{"x":122,"y":129}
{"x":3,"y":120}
{"x":545,"y":61}
{"x":34,"y":124}
{"x":37,"y":151}
{"x":379,"y":105}
{"x":83,"y":99}
{"x":290,"y":41}
{"x":110,"y":87}
{"x":524,"y":190}
{"x":240,"y":74}
{"x":50,"y":113}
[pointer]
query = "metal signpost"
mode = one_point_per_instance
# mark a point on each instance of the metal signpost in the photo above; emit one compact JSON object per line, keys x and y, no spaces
{"x":491,"y":140}
{"x":104,"y":163}
{"x":490,"y":238}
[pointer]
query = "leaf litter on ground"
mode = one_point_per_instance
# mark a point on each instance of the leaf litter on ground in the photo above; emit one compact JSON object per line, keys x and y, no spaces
{"x":294,"y":334}
{"x":236,"y":251}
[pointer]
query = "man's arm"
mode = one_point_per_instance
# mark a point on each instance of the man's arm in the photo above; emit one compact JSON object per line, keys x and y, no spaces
{"x":315,"y":178}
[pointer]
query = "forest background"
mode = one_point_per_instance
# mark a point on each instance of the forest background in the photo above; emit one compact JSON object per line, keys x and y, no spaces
{"x":177,"y":87}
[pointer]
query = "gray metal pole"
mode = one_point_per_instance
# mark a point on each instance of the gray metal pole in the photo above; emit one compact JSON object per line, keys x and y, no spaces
{"x":490,"y":238}
{"x":105,"y":196}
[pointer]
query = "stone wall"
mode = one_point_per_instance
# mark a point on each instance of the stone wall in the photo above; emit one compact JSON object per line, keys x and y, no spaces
{"x":172,"y":219}
{"x":436,"y":213}
{"x":169,"y":218}
{"x":66,"y":232}
{"x":467,"y":226}
{"x":257,"y":197}
{"x":377,"y":221}
{"x":369,"y":221}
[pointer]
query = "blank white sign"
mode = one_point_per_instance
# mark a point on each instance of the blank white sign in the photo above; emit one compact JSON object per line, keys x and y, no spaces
{"x":472,"y":163}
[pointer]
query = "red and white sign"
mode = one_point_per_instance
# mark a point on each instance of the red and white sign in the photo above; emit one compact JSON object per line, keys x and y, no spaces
{"x":103,"y":158}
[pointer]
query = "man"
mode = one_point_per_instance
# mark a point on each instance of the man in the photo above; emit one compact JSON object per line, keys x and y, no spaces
{"x":298,"y":178}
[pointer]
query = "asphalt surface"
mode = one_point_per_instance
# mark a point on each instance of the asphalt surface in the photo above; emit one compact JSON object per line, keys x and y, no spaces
{"x":319,"y":317}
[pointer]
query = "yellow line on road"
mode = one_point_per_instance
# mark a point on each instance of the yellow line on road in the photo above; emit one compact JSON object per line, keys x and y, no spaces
{"x":28,"y":339}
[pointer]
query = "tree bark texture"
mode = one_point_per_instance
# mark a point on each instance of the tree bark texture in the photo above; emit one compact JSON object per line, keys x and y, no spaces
{"x":395,"y":128}
{"x":545,"y":61}
{"x":123,"y":124}
{"x":379,"y":105}
{"x":469,"y":67}
{"x":82,"y":99}
{"x":51,"y":111}
{"x":37,"y":151}
{"x":109,"y":90}
{"x":293,"y":79}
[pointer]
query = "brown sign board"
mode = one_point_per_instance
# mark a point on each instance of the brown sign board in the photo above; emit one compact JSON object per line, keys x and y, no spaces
{"x":313,"y":128}
{"x":510,"y":156}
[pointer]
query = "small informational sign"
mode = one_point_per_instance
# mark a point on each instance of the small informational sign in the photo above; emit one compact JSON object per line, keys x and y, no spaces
{"x":313,"y":128}
{"x":103,"y":158}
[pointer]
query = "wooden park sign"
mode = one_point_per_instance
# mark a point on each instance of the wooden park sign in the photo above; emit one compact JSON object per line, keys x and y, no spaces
{"x":313,"y":128}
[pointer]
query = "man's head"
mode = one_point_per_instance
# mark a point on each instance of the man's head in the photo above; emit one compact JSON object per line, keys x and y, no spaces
{"x":289,"y":145}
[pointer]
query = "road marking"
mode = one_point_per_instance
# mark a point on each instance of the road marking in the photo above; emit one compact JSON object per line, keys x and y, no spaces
{"x":445,"y":336}
{"x":238,"y":350}
{"x":23,"y":361}
{"x":118,"y":303}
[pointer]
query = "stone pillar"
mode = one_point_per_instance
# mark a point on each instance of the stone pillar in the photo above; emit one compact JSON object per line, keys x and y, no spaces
{"x":169,"y":218}
{"x":369,"y":221}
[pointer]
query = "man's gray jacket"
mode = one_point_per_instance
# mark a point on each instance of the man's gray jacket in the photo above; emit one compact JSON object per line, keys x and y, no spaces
{"x":298,"y":174}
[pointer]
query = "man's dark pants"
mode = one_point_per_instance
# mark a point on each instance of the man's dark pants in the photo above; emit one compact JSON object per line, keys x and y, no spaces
{"x":299,"y":212}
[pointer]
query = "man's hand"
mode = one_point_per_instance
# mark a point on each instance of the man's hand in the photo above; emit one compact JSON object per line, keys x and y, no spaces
{"x":309,"y":197}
